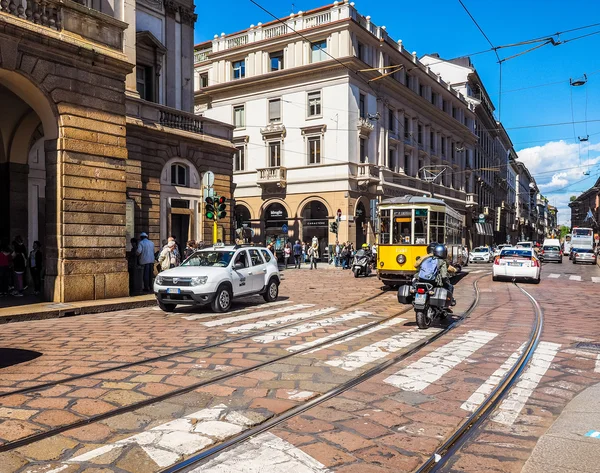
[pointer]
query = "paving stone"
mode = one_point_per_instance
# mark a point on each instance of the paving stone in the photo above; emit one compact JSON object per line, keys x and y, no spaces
{"x":91,"y":407}
{"x":327,"y":455}
{"x":118,"y":385}
{"x":136,"y":461}
{"x":130,"y":421}
{"x":55,"y":418}
{"x":276,"y":406}
{"x":88,"y":393}
{"x":47,"y":449}
{"x":124,"y":398}
{"x":11,"y":462}
{"x":346,"y":440}
{"x":147,"y":378}
{"x":16,"y":429}
{"x":18,"y":414}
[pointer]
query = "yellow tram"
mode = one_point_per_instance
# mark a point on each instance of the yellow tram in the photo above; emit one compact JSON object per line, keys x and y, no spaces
{"x":407,"y":225}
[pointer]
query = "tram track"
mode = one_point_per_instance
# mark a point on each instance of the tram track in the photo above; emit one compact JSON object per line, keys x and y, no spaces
{"x":12,"y":445}
{"x":166,"y":356}
{"x":197,"y":459}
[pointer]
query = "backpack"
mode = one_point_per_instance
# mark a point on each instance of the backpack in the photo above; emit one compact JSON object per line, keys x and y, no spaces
{"x":428,"y":270}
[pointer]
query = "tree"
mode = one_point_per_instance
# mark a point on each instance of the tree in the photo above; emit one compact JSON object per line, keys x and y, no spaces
{"x":572,"y":198}
{"x":564,"y":230}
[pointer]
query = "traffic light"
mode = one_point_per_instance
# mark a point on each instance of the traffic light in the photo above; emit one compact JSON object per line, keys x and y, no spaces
{"x":333,"y":227}
{"x":222,"y":207}
{"x":209,"y":208}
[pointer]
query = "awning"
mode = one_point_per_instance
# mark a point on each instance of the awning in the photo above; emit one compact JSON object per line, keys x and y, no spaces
{"x":489,"y":229}
{"x":484,"y":229}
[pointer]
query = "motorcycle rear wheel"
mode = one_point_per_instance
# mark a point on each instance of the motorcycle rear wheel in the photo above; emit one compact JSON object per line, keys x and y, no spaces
{"x":424,"y":319}
{"x":356,"y":273}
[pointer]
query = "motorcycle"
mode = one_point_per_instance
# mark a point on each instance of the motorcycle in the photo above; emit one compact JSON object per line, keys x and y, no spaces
{"x":361,"y":264}
{"x":429,"y":302}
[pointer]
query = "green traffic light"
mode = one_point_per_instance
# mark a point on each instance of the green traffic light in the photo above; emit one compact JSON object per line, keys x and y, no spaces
{"x":210,"y":215}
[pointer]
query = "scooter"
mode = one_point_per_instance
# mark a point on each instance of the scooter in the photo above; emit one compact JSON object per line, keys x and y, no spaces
{"x":361,"y":264}
{"x":429,"y":302}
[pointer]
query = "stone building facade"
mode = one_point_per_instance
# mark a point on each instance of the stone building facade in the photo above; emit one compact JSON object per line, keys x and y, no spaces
{"x":85,"y":161}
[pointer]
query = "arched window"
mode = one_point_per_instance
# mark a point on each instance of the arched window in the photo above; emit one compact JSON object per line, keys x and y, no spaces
{"x":179,"y":175}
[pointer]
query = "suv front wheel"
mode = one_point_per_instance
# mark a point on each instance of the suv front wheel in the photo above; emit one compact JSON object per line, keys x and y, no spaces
{"x":222,"y":300}
{"x":272,"y":291}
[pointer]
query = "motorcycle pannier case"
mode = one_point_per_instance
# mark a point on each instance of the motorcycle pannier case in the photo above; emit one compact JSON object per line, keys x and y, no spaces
{"x":440,"y":298}
{"x":404,"y":295}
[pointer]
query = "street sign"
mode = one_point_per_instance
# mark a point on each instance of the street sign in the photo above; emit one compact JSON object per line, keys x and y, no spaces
{"x":339,"y":213}
{"x":208,"y":179}
{"x":284,"y":228}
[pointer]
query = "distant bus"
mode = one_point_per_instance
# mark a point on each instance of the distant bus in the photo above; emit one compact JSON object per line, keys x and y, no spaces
{"x":582,"y":238}
{"x":567,"y":244}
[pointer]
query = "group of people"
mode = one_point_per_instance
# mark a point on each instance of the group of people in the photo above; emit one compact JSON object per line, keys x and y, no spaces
{"x":18,"y":267}
{"x":301,"y":252}
{"x":344,"y":252}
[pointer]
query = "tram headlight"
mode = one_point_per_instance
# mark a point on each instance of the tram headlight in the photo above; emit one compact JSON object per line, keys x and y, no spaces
{"x":381,"y":264}
{"x":401,"y":259}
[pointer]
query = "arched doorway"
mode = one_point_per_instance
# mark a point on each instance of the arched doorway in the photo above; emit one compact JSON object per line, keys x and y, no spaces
{"x":275,"y":220}
{"x":315,"y":224}
{"x":243,"y":224}
{"x":360,"y":218}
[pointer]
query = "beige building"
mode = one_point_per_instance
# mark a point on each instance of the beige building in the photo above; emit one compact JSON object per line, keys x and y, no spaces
{"x":330,"y":113}
{"x":97,"y":137}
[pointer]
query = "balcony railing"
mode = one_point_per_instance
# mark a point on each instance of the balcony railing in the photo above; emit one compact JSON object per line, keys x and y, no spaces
{"x":276,"y":175}
{"x":181,"y":121}
{"x":367,"y":171}
{"x":41,"y":12}
{"x":200,"y":56}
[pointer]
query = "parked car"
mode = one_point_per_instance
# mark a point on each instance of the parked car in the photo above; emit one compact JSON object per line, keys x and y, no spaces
{"x":218,"y":274}
{"x":583,"y":255}
{"x":550,"y":253}
{"x":481,"y":254}
{"x":517,"y":263}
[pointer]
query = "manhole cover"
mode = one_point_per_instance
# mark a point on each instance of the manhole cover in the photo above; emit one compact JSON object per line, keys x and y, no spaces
{"x":588,"y":346}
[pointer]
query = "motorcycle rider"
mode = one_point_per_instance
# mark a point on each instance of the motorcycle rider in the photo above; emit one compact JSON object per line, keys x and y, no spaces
{"x":440,"y":253}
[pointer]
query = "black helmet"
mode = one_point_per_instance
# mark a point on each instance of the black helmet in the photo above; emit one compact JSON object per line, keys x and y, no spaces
{"x":431,"y":247}
{"x":441,"y":251}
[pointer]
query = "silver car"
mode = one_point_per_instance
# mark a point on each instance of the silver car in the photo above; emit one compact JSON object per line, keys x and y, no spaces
{"x":581,"y":255}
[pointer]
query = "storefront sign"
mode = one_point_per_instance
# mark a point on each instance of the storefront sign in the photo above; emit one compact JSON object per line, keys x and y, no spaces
{"x":315,"y":223}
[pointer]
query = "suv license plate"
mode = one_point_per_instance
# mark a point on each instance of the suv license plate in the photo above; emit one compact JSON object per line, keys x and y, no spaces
{"x":420,"y":298}
{"x":173,"y":290}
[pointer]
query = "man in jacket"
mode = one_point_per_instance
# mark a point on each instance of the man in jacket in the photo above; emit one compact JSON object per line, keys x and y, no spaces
{"x":145,"y":252}
{"x":297,"y":251}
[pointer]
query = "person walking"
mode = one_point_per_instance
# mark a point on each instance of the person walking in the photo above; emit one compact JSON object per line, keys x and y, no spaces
{"x":5,"y":262}
{"x":19,"y":258}
{"x":304,"y":252}
{"x":168,"y":256}
{"x":35,"y":266}
{"x":297,"y":251}
{"x":336,"y":254}
{"x":287,"y":252}
{"x":189,"y":249}
{"x":145,"y":252}
{"x":313,"y":254}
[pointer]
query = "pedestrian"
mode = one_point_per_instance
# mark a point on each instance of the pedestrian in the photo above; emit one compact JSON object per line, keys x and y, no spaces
{"x":344,"y":256}
{"x":297,"y":251}
{"x":287,"y":252}
{"x":35,"y":266}
{"x":168,"y":256}
{"x":178,"y":252}
{"x":313,"y":254}
{"x":336,"y":254}
{"x":19,"y":259}
{"x":5,"y":263}
{"x":145,"y":252}
{"x":304,"y":252}
{"x":349,"y":254}
{"x":189,"y":249}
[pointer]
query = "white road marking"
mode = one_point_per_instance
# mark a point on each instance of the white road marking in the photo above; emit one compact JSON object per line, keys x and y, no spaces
{"x":595,"y":279}
{"x":597,"y":368}
{"x":263,"y":453}
{"x":486,"y":388}
{"x":290,"y":332}
{"x":477,"y":271}
{"x":432,"y":367}
{"x":379,"y":349}
{"x":574,"y":278}
{"x":246,"y":309}
{"x":553,"y":276}
{"x":254,"y":315}
{"x":376,"y":328}
{"x":541,"y":360}
{"x":168,"y":443}
{"x":281,"y":320}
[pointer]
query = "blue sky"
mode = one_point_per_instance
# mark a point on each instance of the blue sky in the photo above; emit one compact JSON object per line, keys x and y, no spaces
{"x":443,"y":26}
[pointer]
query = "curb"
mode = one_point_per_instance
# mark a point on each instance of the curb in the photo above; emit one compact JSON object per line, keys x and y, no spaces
{"x":54,"y":310}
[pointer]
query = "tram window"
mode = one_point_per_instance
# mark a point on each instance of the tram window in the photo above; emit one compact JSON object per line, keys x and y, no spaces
{"x":421,"y":227}
{"x":384,"y":231}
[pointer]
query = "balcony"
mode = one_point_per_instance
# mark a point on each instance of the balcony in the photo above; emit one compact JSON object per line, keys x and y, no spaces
{"x":68,"y":16}
{"x":365,"y":127}
{"x":272,"y":176}
{"x":471,"y":200}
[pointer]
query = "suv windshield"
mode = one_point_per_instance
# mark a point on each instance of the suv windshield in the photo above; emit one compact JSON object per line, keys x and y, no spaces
{"x":219,"y":259}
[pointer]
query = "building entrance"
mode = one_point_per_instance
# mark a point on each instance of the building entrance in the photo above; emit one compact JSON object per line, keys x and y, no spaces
{"x":361,"y":225}
{"x":275,"y":217}
{"x":315,"y":223}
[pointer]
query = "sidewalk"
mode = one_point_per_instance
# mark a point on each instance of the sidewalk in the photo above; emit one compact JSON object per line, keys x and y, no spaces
{"x":573,"y":441}
{"x":51,"y":310}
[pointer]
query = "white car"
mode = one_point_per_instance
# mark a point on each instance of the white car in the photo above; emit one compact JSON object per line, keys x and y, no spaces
{"x":481,"y":254}
{"x":218,"y":274}
{"x":524,"y":244}
{"x":517,"y":263}
{"x":499,"y":249}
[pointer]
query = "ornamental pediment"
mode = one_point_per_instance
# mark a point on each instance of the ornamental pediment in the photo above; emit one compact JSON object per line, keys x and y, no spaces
{"x":273,"y":131}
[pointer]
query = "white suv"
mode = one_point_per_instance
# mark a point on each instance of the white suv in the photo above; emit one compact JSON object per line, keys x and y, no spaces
{"x":218,"y":274}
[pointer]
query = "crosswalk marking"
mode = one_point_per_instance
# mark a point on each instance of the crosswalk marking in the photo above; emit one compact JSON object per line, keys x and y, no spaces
{"x":237,"y":311}
{"x":574,"y":278}
{"x":433,"y":366}
{"x":255,"y":315}
{"x":553,"y":276}
{"x":595,"y":279}
{"x":290,"y":332}
{"x":541,"y":360}
{"x":266,"y":452}
{"x":597,"y":367}
{"x":281,"y":320}
{"x":376,"y":328}
{"x":379,"y":350}
{"x":486,"y":388}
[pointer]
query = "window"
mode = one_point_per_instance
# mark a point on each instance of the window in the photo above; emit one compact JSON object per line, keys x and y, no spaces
{"x":143,"y":75}
{"x":432,"y":140}
{"x":318,"y":51}
{"x":255,"y":257}
{"x":360,"y":51}
{"x":407,"y":79}
{"x":362,"y":108}
{"x":179,"y":174}
{"x":266,"y":255}
{"x":363,"y":150}
{"x":454,"y":112}
{"x":204,"y":80}
{"x":276,"y":61}
{"x":434,"y":98}
{"x":314,"y":150}
{"x":445,"y":105}
{"x":406,"y":128}
{"x":239,"y":116}
{"x":314,"y":104}
{"x":392,"y":159}
{"x":275,"y":111}
{"x":239,"y":69}
{"x":275,"y":154}
{"x":421,"y":90}
{"x":420,"y":134}
{"x":443,"y":146}
{"x":239,"y":162}
{"x":391,"y":120}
